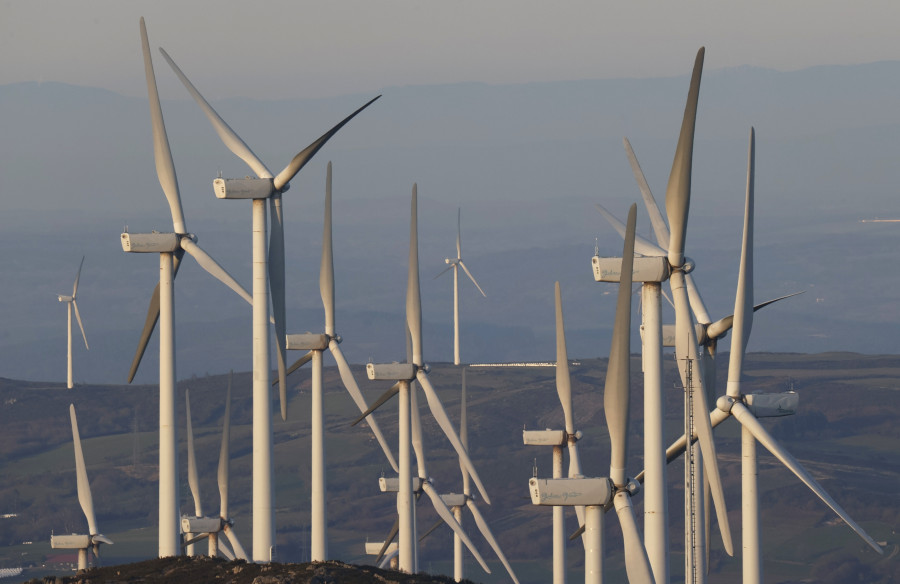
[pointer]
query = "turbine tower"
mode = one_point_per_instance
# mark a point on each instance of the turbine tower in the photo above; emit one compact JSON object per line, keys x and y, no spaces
{"x":455,"y":265}
{"x":266,"y":271}
{"x":171,"y":248}
{"x":70,"y":304}
{"x":92,"y":541}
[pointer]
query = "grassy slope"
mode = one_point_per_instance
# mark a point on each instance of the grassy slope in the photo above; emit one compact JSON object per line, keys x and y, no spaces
{"x":846,"y":435}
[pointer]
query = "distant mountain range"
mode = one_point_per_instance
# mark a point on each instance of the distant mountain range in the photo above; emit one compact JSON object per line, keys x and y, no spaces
{"x":526,"y":163}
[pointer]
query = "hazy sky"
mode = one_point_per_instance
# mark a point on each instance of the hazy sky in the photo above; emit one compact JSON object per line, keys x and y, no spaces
{"x":291,"y":48}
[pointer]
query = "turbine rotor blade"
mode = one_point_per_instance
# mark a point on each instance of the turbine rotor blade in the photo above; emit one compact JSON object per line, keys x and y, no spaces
{"x":710,"y":464}
{"x":239,"y":552}
{"x":471,"y":277}
{"x":350,"y":384}
{"x":304,"y":156}
{"x":297,"y":365}
{"x":743,"y":299}
{"x":394,"y":390}
{"x":77,"y":277}
{"x":563,"y":381}
{"x":748,"y":421}
{"x":660,"y":229}
{"x":448,"y":518}
{"x":641,"y":245}
{"x":444,"y":271}
{"x":696,"y":300}
{"x":489,"y":537}
{"x":214,"y":269}
{"x":390,"y":538}
{"x":637,"y":564}
{"x":721,"y":327}
{"x":440,"y":415}
{"x":223,"y":549}
{"x":618,"y":376}
{"x":80,"y":325}
{"x":84,"y":487}
{"x":193,"y":476}
{"x":228,"y":136}
{"x":165,"y":167}
{"x":223,"y":473}
{"x":413,"y":299}
{"x":686,"y":351}
{"x":437,"y":524}
{"x":326,"y":269}
{"x":276,"y":288}
{"x":678,"y":190}
{"x":415,"y":431}
{"x":458,"y":233}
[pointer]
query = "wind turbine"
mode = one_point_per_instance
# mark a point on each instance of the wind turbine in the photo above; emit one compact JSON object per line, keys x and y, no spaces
{"x":455,"y":265}
{"x":266,"y":271}
{"x":651,"y":269}
{"x":404,"y":374}
{"x":558,"y":439}
{"x":672,"y":264}
{"x":598,"y":494}
{"x":199,"y":525}
{"x":70,"y":303}
{"x":737,"y":404}
{"x":92,"y":541}
{"x":171,"y":248}
{"x":459,"y":501}
{"x":316,"y":344}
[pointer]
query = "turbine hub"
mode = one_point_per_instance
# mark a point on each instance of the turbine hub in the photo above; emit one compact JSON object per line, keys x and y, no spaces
{"x":574,"y":437}
{"x":725,"y":403}
{"x":688,"y":266}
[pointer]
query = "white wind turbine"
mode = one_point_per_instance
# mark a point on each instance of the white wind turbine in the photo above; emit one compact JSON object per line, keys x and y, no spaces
{"x":741,"y":406}
{"x":198,"y":527}
{"x":316,"y":344}
{"x":654,"y":337}
{"x":92,"y":541}
{"x":70,"y":304}
{"x":266,"y":271}
{"x":672,"y":264}
{"x":455,"y":265}
{"x":459,"y":501}
{"x":405,"y":373}
{"x":557,"y":439}
{"x":171,"y":248}
{"x":599,"y":494}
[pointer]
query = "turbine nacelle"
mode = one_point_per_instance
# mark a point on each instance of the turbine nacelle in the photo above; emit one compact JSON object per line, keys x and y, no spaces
{"x":646,"y":269}
{"x":571,"y":492}
{"x":392,"y":484}
{"x":245,"y":188}
{"x":545,"y":437}
{"x":392,"y":371}
{"x":154,"y":242}
{"x":764,"y":405}
{"x":71,"y":542}
{"x":454,"y":499}
{"x":202,"y":524}
{"x":307,"y":342}
{"x":62,"y":298}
